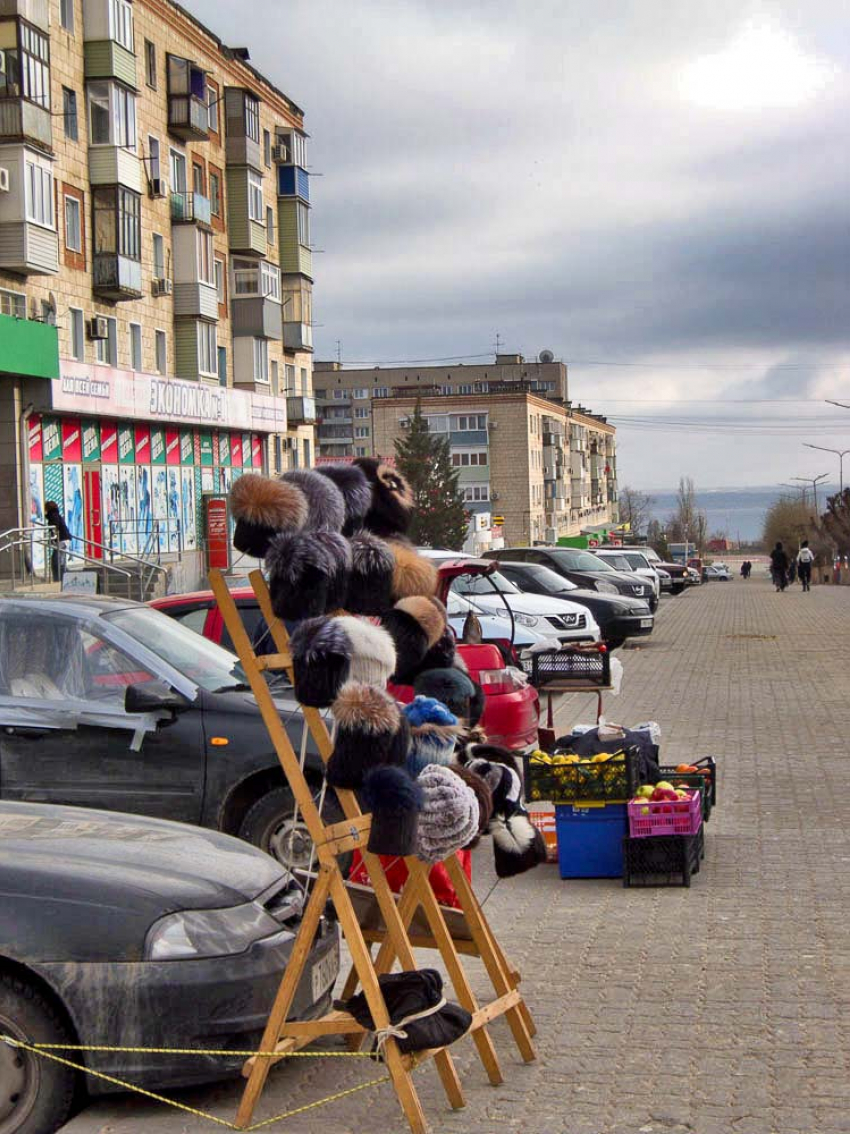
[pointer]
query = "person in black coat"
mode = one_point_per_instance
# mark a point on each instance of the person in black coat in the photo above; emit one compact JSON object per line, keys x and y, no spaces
{"x":779,"y":566}
{"x":62,"y":536}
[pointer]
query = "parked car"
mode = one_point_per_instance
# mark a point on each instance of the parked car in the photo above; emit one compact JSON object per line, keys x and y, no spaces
{"x":618,"y":617}
{"x":665,"y":579}
{"x":677,"y":571}
{"x":580,"y":567}
{"x":105,"y":702}
{"x":123,"y":931}
{"x":717,"y":572}
{"x":623,"y":559}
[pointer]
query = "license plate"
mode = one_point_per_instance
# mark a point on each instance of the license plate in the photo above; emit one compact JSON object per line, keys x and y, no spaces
{"x":324,"y":974}
{"x":645,"y":623}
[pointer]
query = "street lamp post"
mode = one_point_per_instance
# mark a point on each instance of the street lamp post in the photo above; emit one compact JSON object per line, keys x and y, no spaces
{"x":840,"y":453}
{"x":814,"y":482}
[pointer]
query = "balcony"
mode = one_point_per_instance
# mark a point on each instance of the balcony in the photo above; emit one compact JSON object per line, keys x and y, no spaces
{"x":257,"y":316}
{"x":334,"y":435}
{"x":242,"y":128}
{"x":28,"y":249}
{"x":114,"y":165}
{"x":191,"y":208}
{"x":297,"y":336}
{"x":301,"y":410}
{"x":30,"y":349}
{"x":189,"y":117}
{"x":293,"y":182}
{"x":107,"y":59}
{"x":35,"y":12}
{"x":23,"y":121}
{"x":116,"y":277}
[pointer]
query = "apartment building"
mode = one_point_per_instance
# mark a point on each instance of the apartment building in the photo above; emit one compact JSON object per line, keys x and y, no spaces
{"x":524,"y":455}
{"x":155,"y":273}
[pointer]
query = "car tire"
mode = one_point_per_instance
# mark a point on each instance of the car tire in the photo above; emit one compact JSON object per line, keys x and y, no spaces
{"x":677,"y":588}
{"x":269,"y":824}
{"x":36,"y":1094}
{"x":614,"y":643}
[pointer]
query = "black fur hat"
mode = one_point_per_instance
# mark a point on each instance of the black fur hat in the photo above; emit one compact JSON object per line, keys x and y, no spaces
{"x":307,"y":573}
{"x":370,"y":731}
{"x":504,"y":782}
{"x":517,"y":844}
{"x":411,"y":644}
{"x":455,"y":689}
{"x":444,"y":654}
{"x":395,"y":800}
{"x":326,"y":506}
{"x":262,"y":508}
{"x":356,"y":492}
{"x":392,"y":499}
{"x":321,"y":660}
{"x":338,"y":550}
{"x":370,"y":584}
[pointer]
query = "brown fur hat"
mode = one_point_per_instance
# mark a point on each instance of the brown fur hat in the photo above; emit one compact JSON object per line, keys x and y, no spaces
{"x":413,"y":574}
{"x":428,"y":614}
{"x":262,"y":508}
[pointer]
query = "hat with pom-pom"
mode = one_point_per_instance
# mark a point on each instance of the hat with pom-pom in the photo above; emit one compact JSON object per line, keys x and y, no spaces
{"x":370,"y":731}
{"x":262,"y":508}
{"x":395,"y":800}
{"x":321,"y":660}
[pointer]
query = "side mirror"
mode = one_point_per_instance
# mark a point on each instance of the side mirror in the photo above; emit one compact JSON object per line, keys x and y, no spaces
{"x":153,"y":697}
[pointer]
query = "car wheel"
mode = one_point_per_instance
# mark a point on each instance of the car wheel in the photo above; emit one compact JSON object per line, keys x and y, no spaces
{"x":614,"y":643}
{"x":677,"y":589}
{"x":272,"y":825}
{"x":36,"y":1094}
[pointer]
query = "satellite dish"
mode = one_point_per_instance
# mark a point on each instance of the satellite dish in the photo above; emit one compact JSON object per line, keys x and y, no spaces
{"x":546,"y":356}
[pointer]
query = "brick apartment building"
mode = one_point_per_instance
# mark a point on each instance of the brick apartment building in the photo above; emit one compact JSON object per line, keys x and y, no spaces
{"x":155,"y":273}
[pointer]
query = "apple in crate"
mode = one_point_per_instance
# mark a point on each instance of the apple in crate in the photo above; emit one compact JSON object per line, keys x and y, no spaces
{"x":664,"y":795}
{"x":644,"y":791}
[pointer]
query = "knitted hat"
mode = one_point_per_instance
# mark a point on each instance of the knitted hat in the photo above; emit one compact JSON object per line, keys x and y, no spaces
{"x":433,"y":733}
{"x":455,"y":689}
{"x":395,"y":799}
{"x":321,"y":660}
{"x":449,"y":817}
{"x":262,"y":507}
{"x":370,"y":584}
{"x":307,"y":573}
{"x":444,"y":654}
{"x":326,"y":506}
{"x":372,"y":651}
{"x":356,"y":491}
{"x":413,"y":574}
{"x":517,"y":844}
{"x":482,"y":794}
{"x":392,"y":499}
{"x":370,"y":731}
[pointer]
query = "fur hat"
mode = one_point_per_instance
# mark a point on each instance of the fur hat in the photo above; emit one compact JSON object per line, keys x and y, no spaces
{"x":411,"y":644}
{"x":413,"y":574}
{"x":338,"y":550}
{"x":517,"y":844}
{"x":482,"y":794}
{"x":433,"y":733}
{"x":355,"y":488}
{"x":370,"y":584}
{"x":372,"y":651}
{"x":429,"y":613}
{"x":321,"y":660}
{"x":391,"y":508}
{"x":504,"y":783}
{"x":444,"y":654}
{"x":455,"y":689}
{"x":395,"y":799}
{"x":262,"y":507}
{"x":449,"y":816}
{"x":325,"y":502}
{"x":307,"y":573}
{"x":370,"y":731}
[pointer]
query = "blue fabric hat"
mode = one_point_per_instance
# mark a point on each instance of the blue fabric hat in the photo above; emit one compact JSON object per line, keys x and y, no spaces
{"x":434,"y":731}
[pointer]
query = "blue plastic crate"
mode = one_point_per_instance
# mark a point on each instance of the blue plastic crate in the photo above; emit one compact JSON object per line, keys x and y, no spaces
{"x":590,"y":840}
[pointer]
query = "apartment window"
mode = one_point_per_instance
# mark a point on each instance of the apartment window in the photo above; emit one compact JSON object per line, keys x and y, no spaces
{"x":302,"y":217}
{"x":267,"y":148}
{"x":198,"y":179}
{"x":112,"y":115}
{"x":207,"y":350}
{"x":381,"y":392}
{"x":361,"y":392}
{"x":222,"y":366}
{"x":73,"y":224}
{"x":205,"y":261}
{"x":481,"y":387}
{"x":106,"y":350}
{"x":78,"y":335}
{"x":39,"y":184}
{"x":66,"y":14}
{"x":177,"y":165}
{"x":361,"y":411}
{"x":27,"y":71}
{"x":219,"y":280}
{"x":464,"y":389}
{"x":275,"y":375}
{"x":117,"y":221}
{"x":261,"y":360}
{"x":154,"y":171}
{"x":160,"y":351}
{"x":121,"y":23}
{"x":158,"y":256}
{"x":69,"y":114}
{"x":213,"y":96}
{"x":476,"y":492}
{"x":252,"y":118}
{"x":255,"y":197}
{"x":215,"y":194}
{"x":136,"y":346}
{"x":465,"y":460}
{"x":361,"y":431}
{"x":289,"y":374}
{"x":338,"y":394}
{"x":464,"y":423}
{"x":270,"y":225}
{"x":361,"y":451}
{"x":150,"y":64}
{"x":305,"y":386}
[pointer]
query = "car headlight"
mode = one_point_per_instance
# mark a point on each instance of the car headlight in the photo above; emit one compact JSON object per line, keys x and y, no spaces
{"x":208,"y":933}
{"x":525,"y":619}
{"x":606,"y":588}
{"x":642,"y":608}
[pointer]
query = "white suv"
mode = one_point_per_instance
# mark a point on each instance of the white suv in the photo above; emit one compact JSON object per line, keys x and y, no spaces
{"x":629,"y":559}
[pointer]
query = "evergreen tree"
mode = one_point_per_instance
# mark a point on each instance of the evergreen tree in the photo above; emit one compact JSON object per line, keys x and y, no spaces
{"x":439,"y":517}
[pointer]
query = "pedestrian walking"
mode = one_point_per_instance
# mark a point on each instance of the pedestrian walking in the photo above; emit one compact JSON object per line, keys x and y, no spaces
{"x":744,"y":569}
{"x":805,"y":559}
{"x":62,"y":536}
{"x":779,"y":566}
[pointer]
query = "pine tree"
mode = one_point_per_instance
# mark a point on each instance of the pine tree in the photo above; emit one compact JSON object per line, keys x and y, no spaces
{"x":439,"y":517}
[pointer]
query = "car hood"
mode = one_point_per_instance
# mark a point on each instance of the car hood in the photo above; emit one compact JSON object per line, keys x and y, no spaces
{"x":620,"y":603}
{"x":526,"y":603}
{"x":493,"y":626}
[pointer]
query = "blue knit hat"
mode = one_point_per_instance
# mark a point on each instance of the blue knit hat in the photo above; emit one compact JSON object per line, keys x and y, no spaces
{"x":434,"y":731}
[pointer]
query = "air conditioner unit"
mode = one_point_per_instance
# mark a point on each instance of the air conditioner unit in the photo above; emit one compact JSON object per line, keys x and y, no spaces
{"x":4,"y":180}
{"x":162,"y":287}
{"x":492,"y":424}
{"x":158,"y":188}
{"x":99,"y":327}
{"x":280,"y":154}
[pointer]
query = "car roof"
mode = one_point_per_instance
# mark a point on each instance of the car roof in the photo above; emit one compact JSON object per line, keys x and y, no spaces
{"x":198,"y":596}
{"x":88,"y":605}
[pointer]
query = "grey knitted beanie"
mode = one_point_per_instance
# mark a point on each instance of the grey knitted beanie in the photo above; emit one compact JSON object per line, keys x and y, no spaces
{"x":449,"y":816}
{"x":373,"y":657}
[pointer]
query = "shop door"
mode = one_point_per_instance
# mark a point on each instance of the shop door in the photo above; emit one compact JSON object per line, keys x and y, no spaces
{"x":94,"y":514}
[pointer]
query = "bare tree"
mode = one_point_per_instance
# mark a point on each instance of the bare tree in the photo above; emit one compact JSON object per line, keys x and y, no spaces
{"x":688,"y":524}
{"x":635,"y":509}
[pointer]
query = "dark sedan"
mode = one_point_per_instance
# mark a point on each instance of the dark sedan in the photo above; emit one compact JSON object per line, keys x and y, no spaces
{"x":618,"y":617}
{"x":580,"y":567}
{"x":121,"y":931}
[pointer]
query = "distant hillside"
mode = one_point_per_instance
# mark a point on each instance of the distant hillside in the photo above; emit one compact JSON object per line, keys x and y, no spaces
{"x":738,"y":512}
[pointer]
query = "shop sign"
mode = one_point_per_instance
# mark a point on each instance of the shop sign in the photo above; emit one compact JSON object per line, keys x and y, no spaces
{"x":498,"y":521}
{"x":206,"y":448}
{"x":72,"y":447}
{"x":143,"y":445}
{"x":187,"y":447}
{"x":79,"y":582}
{"x":91,"y":441}
{"x":51,"y":439}
{"x":218,"y":535}
{"x":246,"y":450}
{"x":157,"y":447}
{"x":126,"y":445}
{"x":224,"y":448}
{"x":109,"y":443}
{"x":236,"y":450}
{"x":34,"y":429}
{"x":172,"y":447}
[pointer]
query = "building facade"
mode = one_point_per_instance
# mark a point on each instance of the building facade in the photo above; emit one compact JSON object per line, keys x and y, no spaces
{"x":155,"y":224}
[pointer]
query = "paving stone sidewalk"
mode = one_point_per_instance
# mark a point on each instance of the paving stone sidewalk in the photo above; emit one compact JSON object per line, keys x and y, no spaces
{"x":722,"y":1009}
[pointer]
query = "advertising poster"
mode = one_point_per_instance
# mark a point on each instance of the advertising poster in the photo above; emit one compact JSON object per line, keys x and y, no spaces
{"x":189,"y":520}
{"x":207,"y":480}
{"x":126,"y":445}
{"x":224,"y":448}
{"x":51,"y":439}
{"x":160,"y":505}
{"x":39,"y":551}
{"x":34,"y":430}
{"x":72,"y":446}
{"x":187,"y":447}
{"x":111,"y":506}
{"x":172,"y":447}
{"x":91,"y":441}
{"x":236,"y":450}
{"x":174,"y":510}
{"x":144,"y":506}
{"x":127,"y":508}
{"x":108,"y":443}
{"x":206,"y":448}
{"x":73,"y":510}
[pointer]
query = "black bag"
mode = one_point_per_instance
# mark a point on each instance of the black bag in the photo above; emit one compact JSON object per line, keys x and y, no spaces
{"x":420,"y":1017}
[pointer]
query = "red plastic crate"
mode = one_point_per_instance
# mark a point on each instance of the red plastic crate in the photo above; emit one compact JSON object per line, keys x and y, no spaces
{"x":684,"y":817}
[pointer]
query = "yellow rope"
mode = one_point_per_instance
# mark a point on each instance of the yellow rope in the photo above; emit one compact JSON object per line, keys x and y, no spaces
{"x":192,"y":1051}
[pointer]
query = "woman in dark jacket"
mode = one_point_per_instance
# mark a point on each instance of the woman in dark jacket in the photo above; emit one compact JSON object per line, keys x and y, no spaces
{"x":62,"y":536}
{"x":779,"y":566}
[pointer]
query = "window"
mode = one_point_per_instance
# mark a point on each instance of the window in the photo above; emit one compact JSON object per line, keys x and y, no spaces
{"x":205,"y":262}
{"x":213,"y":96}
{"x":476,"y":492}
{"x":219,"y":280}
{"x":39,"y":183}
{"x":305,"y":385}
{"x":215,"y":194}
{"x":302,"y":217}
{"x":177,"y":165}
{"x":464,"y":460}
{"x":252,"y":118}
{"x":78,"y":337}
{"x":255,"y":197}
{"x":267,"y":148}
{"x":106,"y":350}
{"x":135,"y":346}
{"x":261,"y":360}
{"x":222,"y":366}
{"x":121,"y":23}
{"x":69,"y":114}
{"x":27,"y":71}
{"x":381,"y":392}
{"x":198,"y":179}
{"x":73,"y":225}
{"x":117,"y":222}
{"x":338,"y":394}
{"x":361,"y":451}
{"x":289,"y":373}
{"x":464,"y":423}
{"x":150,"y":64}
{"x":160,"y":351}
{"x":275,"y":376}
{"x":154,"y":172}
{"x":66,"y":14}
{"x":361,"y":411}
{"x":270,"y":225}
{"x":361,"y":431}
{"x":158,"y":256}
{"x":207,"y":350}
{"x":252,"y":278}
{"x":361,"y":392}
{"x":112,"y":115}
{"x":464,"y":389}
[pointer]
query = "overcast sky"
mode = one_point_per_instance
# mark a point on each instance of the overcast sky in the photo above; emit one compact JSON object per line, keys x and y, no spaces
{"x":664,"y":186}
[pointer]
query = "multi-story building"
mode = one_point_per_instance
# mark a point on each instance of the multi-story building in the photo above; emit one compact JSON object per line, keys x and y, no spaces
{"x":155,"y":272}
{"x":524,"y":455}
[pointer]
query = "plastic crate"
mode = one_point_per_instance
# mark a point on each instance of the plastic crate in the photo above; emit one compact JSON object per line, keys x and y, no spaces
{"x":614,"y":781}
{"x":691,"y":780}
{"x":665,"y":860}
{"x":668,"y":771}
{"x":581,"y":668}
{"x":590,"y":840}
{"x":666,"y":817}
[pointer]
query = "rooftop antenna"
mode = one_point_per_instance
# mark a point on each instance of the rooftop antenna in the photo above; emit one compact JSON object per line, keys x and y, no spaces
{"x":498,"y":343}
{"x":339,"y":352}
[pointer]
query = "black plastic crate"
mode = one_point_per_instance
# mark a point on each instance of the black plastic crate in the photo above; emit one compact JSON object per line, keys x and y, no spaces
{"x":581,"y":668}
{"x":668,"y":772}
{"x":662,"y":860}
{"x":611,"y":781}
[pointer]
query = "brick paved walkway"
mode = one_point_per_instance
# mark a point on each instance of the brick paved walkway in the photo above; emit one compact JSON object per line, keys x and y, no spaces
{"x":718,"y":1009}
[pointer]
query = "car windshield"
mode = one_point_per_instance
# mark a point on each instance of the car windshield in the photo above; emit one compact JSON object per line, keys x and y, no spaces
{"x":484,"y":585}
{"x":620,"y":562}
{"x":550,"y":581}
{"x":201,"y":661}
{"x":579,"y":560}
{"x":638,"y":561}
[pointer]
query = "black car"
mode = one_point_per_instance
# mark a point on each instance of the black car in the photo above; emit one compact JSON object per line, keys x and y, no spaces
{"x":107,"y":703}
{"x":122,"y":931}
{"x":580,"y":567}
{"x":618,"y":617}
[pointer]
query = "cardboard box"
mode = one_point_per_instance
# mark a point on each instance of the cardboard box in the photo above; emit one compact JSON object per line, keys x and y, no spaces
{"x":542,"y":815}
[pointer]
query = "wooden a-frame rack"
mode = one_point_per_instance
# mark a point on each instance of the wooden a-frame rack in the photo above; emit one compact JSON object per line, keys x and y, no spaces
{"x":282,"y":1035}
